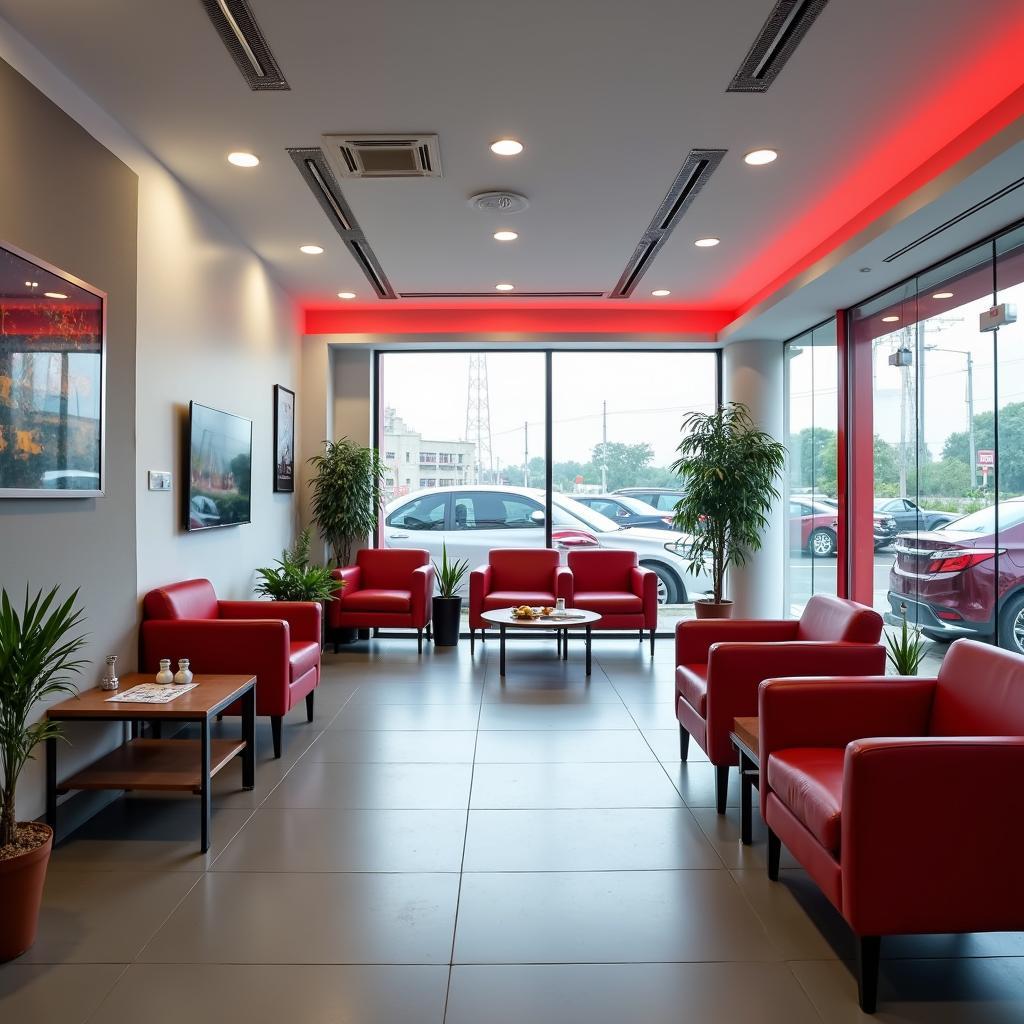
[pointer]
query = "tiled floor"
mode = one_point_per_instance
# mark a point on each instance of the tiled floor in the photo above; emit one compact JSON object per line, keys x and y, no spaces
{"x":440,"y":847}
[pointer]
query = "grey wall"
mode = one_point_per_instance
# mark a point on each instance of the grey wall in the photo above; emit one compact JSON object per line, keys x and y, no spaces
{"x":70,"y":202}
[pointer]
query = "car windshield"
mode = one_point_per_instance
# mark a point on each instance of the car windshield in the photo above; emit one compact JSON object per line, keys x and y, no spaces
{"x":638,"y":507}
{"x":588,"y":516}
{"x":1011,"y":513}
{"x":880,"y":504}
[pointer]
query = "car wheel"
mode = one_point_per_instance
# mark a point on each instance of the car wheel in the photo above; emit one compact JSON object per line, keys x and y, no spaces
{"x":670,"y":587}
{"x":821,"y":543}
{"x":1011,"y":625}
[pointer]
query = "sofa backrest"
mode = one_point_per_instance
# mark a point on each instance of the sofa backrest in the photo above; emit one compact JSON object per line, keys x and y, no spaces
{"x":602,"y":570}
{"x":389,"y":568}
{"x":980,"y":692}
{"x":190,"y":599}
{"x":522,"y":568}
{"x":837,"y":620}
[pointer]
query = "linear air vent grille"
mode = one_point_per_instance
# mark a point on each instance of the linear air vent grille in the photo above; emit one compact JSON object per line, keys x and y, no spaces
{"x":775,"y":43}
{"x":383,"y":156}
{"x":692,"y":177}
{"x":237,"y":28}
{"x":317,"y":174}
{"x":501,"y":295}
{"x":962,"y":216}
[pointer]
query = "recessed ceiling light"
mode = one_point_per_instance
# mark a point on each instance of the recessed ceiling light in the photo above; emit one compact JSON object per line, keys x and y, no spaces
{"x":346,"y":295}
{"x":311,"y":250}
{"x":507,"y":147}
{"x":943,"y":295}
{"x":55,"y":295}
{"x":889,"y":319}
{"x":504,"y":287}
{"x":706,"y":243}
{"x":758,"y":157}
{"x":661,"y":292}
{"x":243,"y":159}
{"x":865,"y":270}
{"x":506,"y":236}
{"x":31,"y":284}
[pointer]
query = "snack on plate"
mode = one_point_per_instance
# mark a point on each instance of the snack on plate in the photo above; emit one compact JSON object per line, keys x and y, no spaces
{"x":524,"y":611}
{"x":546,"y":610}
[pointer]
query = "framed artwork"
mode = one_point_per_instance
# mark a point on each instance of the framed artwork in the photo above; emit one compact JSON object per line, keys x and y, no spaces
{"x":284,"y":439}
{"x":52,"y":381}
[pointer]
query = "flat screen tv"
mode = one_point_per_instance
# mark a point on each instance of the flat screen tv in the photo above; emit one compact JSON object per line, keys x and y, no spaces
{"x":220,"y":468}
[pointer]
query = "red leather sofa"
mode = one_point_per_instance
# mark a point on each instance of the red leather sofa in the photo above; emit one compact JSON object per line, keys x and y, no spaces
{"x":721,"y":662}
{"x":514,"y":576}
{"x":386,"y":588}
{"x":613,"y":585}
{"x":276,"y":641}
{"x":902,"y":796}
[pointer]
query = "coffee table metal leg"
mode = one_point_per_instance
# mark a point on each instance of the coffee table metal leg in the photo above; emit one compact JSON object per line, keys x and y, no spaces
{"x":204,"y":784}
{"x":51,"y":785}
{"x":588,"y":650}
{"x":501,"y":652}
{"x":746,"y":800}
{"x":565,"y":645}
{"x":249,"y":735}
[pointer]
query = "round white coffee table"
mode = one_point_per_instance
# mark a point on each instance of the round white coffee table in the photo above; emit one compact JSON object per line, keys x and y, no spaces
{"x":577,"y":618}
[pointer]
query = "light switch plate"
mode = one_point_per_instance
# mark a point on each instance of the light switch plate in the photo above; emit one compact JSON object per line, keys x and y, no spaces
{"x":159,"y":480}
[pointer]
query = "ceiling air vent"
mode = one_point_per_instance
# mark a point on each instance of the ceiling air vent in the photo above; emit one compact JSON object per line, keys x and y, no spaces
{"x":383,"y":156}
{"x":499,"y":202}
{"x":775,"y":43}
{"x":237,"y":28}
{"x":692,"y":177}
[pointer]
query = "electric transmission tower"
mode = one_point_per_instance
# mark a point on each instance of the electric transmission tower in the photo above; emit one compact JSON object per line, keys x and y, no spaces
{"x":478,"y":418}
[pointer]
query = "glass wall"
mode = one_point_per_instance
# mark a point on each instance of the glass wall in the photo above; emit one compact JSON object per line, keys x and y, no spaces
{"x":811,"y":435}
{"x":463,"y":437}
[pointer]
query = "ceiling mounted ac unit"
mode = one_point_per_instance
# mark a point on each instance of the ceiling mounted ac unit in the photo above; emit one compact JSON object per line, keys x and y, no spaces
{"x":413,"y":155}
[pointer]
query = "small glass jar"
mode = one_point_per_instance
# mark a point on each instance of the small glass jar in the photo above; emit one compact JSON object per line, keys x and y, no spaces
{"x":560,"y":606}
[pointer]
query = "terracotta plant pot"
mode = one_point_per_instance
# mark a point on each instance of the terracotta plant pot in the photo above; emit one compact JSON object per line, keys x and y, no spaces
{"x":21,"y":894}
{"x":713,"y":610}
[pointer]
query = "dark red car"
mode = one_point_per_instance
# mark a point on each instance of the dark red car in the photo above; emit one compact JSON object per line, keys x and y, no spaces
{"x":964,"y":580}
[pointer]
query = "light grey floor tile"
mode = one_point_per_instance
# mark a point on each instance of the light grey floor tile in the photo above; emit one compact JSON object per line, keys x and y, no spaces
{"x":522,"y":746}
{"x":348,"y":840}
{"x":659,"y":716}
{"x":545,"y":690}
{"x":607,"y":917}
{"x":613,"y":993}
{"x":394,"y":746}
{"x":424,"y":691}
{"x":695,"y":780}
{"x":333,"y":785}
{"x":723,"y":832}
{"x":572,"y":785}
{"x":559,"y":716}
{"x":432,"y":717}
{"x":311,"y":919}
{"x":44,"y":993}
{"x":665,"y":743}
{"x":272,"y":994}
{"x":633,"y":839}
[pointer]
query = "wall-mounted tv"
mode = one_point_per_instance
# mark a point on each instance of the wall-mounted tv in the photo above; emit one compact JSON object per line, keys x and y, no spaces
{"x":220,"y":468}
{"x":52,"y":341}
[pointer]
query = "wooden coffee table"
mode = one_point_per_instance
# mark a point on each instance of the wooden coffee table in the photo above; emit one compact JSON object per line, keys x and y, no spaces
{"x":744,"y":738}
{"x":503,"y":619}
{"x":158,"y":764}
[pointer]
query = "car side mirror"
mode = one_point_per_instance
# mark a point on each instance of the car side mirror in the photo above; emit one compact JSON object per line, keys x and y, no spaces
{"x":537,"y":517}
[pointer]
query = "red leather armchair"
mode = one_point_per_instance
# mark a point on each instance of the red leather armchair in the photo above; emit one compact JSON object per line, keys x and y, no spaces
{"x":276,"y":641}
{"x":901,"y":796}
{"x":721,"y":662}
{"x":613,"y":585}
{"x":387,"y":587}
{"x":515,"y":576}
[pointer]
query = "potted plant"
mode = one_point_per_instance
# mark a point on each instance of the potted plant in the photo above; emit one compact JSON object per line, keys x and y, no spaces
{"x":907,"y":650}
{"x":447,"y":607}
{"x":293,"y":578}
{"x":728,"y":468}
{"x":37,"y":659}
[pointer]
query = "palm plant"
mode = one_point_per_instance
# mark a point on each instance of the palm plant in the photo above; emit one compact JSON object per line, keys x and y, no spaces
{"x":728,"y":468}
{"x":907,"y":650}
{"x":37,"y":661}
{"x":294,"y":579}
{"x":346,"y":495}
{"x":450,"y":574}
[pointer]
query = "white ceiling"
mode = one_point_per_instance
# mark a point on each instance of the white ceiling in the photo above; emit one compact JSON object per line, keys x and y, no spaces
{"x":607,"y":96}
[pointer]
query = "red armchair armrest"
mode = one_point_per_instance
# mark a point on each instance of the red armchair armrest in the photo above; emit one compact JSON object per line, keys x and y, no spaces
{"x":349,"y":579}
{"x":927,"y":823}
{"x":422,"y":592}
{"x":695,"y":637}
{"x":479,"y":587}
{"x":562,"y":584}
{"x":303,"y":617}
{"x":645,"y":586}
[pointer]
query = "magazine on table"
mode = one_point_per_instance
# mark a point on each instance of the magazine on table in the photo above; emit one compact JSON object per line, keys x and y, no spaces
{"x":151,"y":693}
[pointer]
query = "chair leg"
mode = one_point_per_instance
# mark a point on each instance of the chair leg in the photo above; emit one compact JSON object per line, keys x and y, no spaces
{"x":419,"y":641}
{"x":721,"y":786}
{"x":472,"y":641}
{"x":774,"y":855}
{"x":275,"y":730}
{"x":430,"y":633}
{"x":309,"y":705}
{"x":869,"y":953}
{"x":684,"y":743}
{"x":641,"y":635}
{"x":652,"y":643}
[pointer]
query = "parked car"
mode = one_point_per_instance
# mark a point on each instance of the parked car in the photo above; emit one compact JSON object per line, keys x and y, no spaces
{"x":910,"y":517}
{"x":964,"y":579}
{"x":812,"y":528}
{"x":472,"y":520}
{"x":626,"y":510}
{"x":664,"y":499}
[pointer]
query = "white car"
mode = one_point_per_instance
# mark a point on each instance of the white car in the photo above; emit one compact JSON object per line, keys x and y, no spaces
{"x":473,"y":519}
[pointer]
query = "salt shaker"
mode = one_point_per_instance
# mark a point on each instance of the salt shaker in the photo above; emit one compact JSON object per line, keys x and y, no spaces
{"x":165,"y":676}
{"x":560,"y":606}
{"x":184,"y":674}
{"x":109,"y":680}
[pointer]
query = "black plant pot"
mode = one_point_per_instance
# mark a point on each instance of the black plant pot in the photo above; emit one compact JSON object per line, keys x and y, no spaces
{"x":447,"y":620}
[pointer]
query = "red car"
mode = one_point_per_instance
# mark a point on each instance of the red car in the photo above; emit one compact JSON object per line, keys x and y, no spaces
{"x":812,"y":527}
{"x":961,"y":580}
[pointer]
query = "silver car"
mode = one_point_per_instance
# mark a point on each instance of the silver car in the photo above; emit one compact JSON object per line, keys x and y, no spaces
{"x":472,"y":520}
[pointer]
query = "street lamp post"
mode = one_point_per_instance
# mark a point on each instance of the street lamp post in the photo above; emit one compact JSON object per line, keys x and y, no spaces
{"x":972,"y":447}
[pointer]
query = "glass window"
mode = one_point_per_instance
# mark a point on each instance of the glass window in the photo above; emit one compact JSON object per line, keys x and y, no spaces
{"x":423,"y":513}
{"x":495,"y":510}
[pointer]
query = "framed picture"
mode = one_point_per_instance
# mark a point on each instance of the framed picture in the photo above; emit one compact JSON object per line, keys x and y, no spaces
{"x":284,"y":439}
{"x":52,"y":381}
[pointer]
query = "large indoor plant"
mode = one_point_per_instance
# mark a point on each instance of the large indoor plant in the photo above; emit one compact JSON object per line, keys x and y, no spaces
{"x":38,"y":657}
{"x":447,"y":605}
{"x":294,"y":578}
{"x":346,"y":495}
{"x":728,"y":468}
